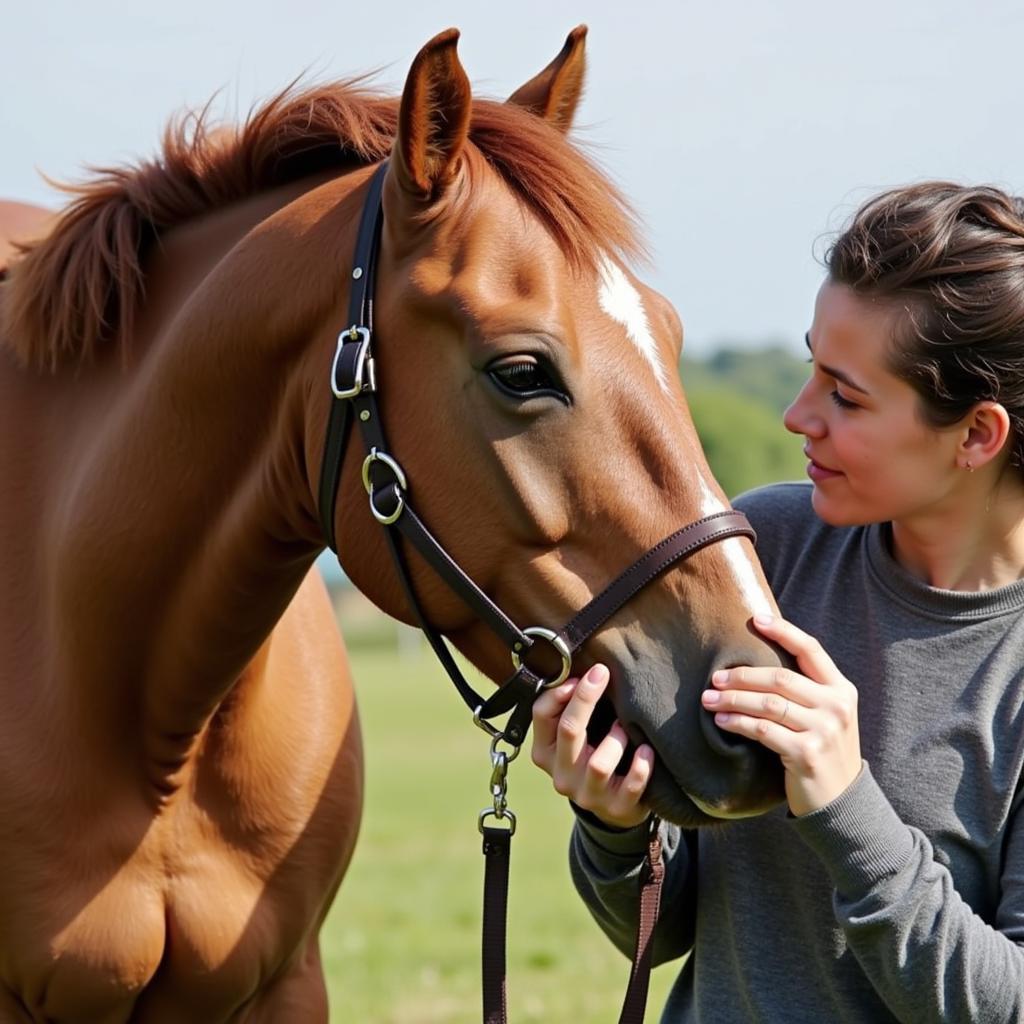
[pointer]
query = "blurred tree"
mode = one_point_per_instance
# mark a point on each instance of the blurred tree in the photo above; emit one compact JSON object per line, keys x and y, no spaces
{"x":737,"y":399}
{"x":772,"y":375}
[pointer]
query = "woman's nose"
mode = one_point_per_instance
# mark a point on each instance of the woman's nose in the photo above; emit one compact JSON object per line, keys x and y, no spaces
{"x":800,"y":417}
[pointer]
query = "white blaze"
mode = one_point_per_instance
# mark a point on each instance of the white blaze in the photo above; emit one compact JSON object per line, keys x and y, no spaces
{"x":742,"y":569}
{"x":622,"y":302}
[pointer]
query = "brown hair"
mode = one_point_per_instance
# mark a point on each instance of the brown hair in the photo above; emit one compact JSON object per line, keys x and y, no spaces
{"x":952,"y":258}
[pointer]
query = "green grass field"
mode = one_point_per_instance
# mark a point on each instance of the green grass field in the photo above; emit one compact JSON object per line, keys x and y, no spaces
{"x":402,"y":941}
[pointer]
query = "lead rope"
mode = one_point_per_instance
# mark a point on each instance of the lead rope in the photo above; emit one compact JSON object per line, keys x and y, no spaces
{"x":497,"y":851}
{"x":652,"y":874}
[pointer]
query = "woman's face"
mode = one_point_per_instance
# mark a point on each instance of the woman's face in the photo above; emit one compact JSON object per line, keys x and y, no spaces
{"x":872,"y":456}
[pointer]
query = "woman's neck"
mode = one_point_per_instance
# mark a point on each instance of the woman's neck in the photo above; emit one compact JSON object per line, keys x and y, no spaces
{"x":973,"y":541}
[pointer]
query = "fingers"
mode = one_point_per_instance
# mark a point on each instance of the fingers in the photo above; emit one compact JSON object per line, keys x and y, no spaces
{"x":584,"y":773}
{"x":571,"y":738}
{"x":773,"y":735}
{"x":560,"y":717}
{"x":812,"y":658}
{"x":808,"y":717}
{"x":770,"y":706}
{"x":818,"y":689}
{"x":782,"y":681}
{"x":547,"y":709}
{"x":612,"y":797}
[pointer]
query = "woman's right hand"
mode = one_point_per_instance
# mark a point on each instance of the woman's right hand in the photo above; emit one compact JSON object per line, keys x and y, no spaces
{"x":583,"y":773}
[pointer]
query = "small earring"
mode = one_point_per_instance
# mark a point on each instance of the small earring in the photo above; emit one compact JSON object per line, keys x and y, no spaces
{"x":968,"y":466}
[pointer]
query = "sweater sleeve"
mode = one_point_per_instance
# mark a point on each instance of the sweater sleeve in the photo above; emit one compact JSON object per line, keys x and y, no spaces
{"x":927,"y":954}
{"x":605,"y":867}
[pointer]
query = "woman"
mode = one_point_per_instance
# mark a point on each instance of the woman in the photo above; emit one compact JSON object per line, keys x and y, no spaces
{"x":892,"y":886}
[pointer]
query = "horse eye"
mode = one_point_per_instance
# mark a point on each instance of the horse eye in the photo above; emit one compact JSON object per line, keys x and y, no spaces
{"x":526,"y":378}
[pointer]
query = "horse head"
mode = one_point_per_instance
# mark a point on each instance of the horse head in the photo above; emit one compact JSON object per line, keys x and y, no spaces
{"x":529,"y":385}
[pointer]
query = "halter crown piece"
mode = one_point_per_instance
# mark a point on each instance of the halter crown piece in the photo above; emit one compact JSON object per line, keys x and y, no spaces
{"x":354,"y":385}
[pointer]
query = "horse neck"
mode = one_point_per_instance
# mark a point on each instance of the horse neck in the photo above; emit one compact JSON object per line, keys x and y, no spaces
{"x":199,"y":475}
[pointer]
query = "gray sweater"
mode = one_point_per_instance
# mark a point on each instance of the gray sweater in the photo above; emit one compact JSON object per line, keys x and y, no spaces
{"x":903,"y":899}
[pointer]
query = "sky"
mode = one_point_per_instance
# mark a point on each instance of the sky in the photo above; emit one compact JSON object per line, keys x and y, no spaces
{"x":742,"y":132}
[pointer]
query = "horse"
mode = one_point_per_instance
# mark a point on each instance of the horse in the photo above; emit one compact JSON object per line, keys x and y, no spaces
{"x":180,"y":756}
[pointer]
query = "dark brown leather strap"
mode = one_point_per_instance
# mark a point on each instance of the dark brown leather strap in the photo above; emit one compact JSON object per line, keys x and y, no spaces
{"x":516,"y":692}
{"x":419,"y":536}
{"x":359,"y":312}
{"x":651,"y":878}
{"x":680,"y":544}
{"x":497,"y":849}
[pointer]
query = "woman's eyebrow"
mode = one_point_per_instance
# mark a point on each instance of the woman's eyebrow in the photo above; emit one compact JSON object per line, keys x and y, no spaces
{"x":831,"y":371}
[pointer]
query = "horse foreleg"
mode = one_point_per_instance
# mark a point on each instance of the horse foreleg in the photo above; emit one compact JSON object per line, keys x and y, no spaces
{"x":299,"y":995}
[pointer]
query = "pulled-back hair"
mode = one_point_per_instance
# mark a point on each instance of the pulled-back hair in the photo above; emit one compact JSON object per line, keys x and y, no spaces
{"x":952,"y":259}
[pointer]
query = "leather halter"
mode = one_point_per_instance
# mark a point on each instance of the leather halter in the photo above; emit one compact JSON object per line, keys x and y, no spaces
{"x":354,"y":384}
{"x":353,"y":381}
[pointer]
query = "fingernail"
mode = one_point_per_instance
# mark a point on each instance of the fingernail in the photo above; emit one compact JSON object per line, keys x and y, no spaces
{"x":720,"y":678}
{"x":723,"y":717}
{"x":763,"y":620}
{"x":711,"y":696}
{"x":597,"y":674}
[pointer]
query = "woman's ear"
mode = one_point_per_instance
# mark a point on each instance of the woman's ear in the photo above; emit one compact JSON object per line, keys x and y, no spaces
{"x":986,"y":432}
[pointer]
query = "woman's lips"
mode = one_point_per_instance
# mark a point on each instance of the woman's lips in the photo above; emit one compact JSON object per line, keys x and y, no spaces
{"x":818,"y":473}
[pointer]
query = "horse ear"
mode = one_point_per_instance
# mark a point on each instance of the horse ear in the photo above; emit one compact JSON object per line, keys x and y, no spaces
{"x":433,"y":119}
{"x":555,"y":93}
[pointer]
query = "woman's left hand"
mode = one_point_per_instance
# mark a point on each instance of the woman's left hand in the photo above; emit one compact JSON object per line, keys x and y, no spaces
{"x":808,"y":719}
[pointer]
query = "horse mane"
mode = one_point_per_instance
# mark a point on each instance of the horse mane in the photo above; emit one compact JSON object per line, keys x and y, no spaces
{"x":80,"y":287}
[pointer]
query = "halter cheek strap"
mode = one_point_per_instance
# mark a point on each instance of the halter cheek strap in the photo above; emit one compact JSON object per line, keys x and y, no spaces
{"x":353,"y":364}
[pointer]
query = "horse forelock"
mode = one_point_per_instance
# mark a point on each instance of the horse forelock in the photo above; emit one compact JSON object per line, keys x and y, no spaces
{"x":80,"y":287}
{"x":574,"y":200}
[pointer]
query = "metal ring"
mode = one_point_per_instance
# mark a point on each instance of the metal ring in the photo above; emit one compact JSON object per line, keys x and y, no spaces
{"x":559,"y":645}
{"x":376,"y":456}
{"x":495,"y":752}
{"x":385,"y":519}
{"x":495,"y":733}
{"x":490,"y":812}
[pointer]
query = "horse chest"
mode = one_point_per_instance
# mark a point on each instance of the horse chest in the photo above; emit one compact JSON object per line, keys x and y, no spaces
{"x":82,"y":950}
{"x":110,"y":912}
{"x":139,"y":939}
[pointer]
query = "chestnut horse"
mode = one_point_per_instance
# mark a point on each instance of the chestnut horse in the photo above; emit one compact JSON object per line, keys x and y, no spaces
{"x":180,"y":761}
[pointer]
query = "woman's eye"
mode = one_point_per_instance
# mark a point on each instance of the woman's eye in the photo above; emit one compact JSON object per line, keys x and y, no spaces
{"x":526,"y":378}
{"x":843,"y":403}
